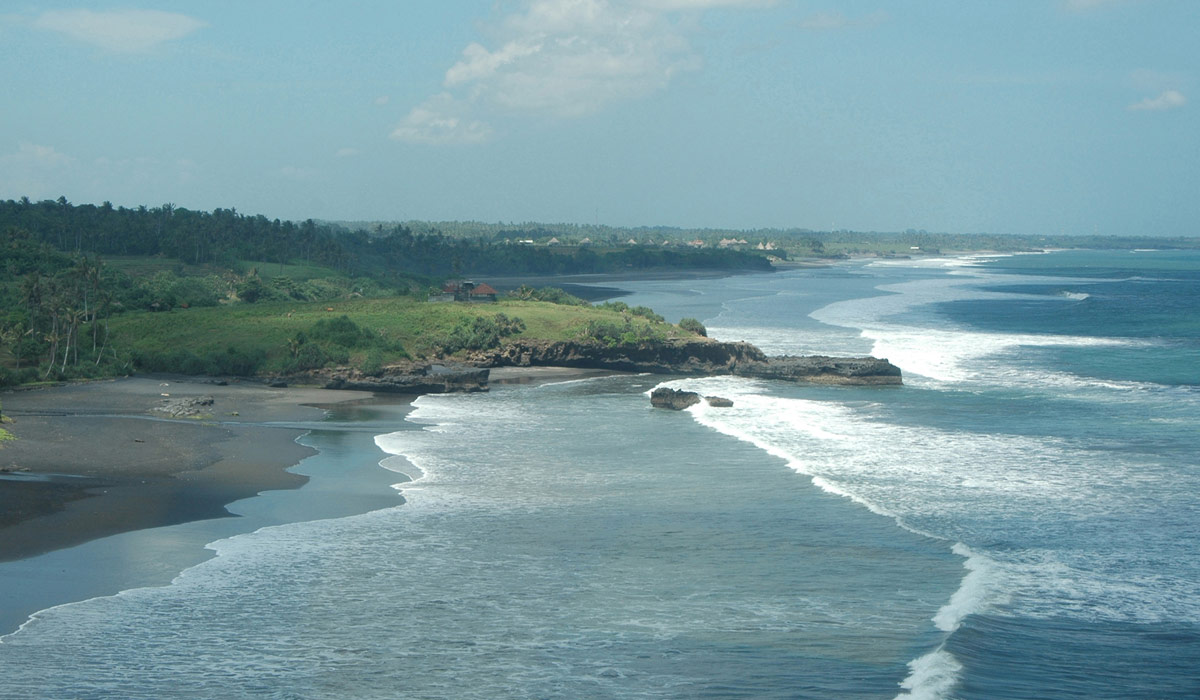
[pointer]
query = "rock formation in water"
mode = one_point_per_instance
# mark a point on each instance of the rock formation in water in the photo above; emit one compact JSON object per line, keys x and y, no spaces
{"x":678,"y":400}
{"x":819,"y":369}
{"x":673,"y":399}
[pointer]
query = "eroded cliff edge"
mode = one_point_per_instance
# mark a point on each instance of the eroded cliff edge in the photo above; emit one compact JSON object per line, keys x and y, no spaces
{"x":704,"y":357}
{"x":687,"y":357}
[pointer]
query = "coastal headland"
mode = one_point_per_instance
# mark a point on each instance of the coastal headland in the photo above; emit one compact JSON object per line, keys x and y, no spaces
{"x":700,"y":356}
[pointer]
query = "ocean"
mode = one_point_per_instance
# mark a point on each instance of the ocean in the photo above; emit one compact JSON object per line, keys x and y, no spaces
{"x":1020,"y":520}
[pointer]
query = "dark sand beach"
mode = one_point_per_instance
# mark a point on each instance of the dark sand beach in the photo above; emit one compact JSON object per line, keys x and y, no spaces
{"x":97,"y":459}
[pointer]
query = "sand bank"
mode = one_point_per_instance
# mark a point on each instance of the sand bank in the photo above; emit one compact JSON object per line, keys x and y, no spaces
{"x":96,"y":459}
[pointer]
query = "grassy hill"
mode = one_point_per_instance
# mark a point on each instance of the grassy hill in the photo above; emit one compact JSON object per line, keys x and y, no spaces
{"x":367,"y":333}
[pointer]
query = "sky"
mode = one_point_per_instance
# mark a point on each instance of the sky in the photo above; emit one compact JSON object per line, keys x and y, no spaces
{"x":1009,"y":116}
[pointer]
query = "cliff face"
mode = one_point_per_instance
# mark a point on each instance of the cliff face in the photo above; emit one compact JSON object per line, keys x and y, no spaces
{"x":693,"y":357}
{"x":415,"y":379}
{"x":680,"y":357}
{"x":818,"y":369}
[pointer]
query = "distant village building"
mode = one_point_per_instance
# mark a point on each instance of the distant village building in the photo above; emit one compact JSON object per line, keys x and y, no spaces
{"x":727,"y":242}
{"x":466,"y":290}
{"x":765,"y":246}
{"x":696,"y":243}
{"x":631,"y":242}
{"x":552,"y":241}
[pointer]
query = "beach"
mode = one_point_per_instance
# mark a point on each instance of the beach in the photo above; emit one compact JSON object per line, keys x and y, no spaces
{"x":96,"y":459}
{"x":103,"y":491}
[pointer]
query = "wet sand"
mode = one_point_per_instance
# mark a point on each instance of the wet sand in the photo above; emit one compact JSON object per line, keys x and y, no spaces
{"x":106,"y":474}
{"x":96,"y":459}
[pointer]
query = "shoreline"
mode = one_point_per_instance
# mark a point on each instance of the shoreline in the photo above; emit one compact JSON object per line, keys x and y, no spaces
{"x":600,"y":286}
{"x":129,"y":500}
{"x":94,"y":459}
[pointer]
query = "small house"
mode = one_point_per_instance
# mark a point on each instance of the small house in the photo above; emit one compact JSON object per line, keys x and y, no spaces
{"x":466,"y":290}
{"x":482,"y":292}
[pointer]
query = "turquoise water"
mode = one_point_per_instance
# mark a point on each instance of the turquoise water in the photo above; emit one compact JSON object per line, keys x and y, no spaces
{"x":1018,"y":521}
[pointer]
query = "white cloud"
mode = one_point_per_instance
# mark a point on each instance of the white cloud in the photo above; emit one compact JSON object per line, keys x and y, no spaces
{"x":347,"y":152}
{"x":1169,"y":99}
{"x":122,"y":31}
{"x":561,"y":59}
{"x":827,"y":21}
{"x":382,"y":100}
{"x":438,"y":121}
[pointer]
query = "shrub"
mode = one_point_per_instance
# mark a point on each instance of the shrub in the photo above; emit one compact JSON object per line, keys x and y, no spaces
{"x":647,"y":313}
{"x":194,"y":291}
{"x":232,"y":361}
{"x":553,"y":295}
{"x":372,"y":366}
{"x":481,"y":333}
{"x":618,"y":306}
{"x":643,"y":311}
{"x":252,"y":290}
{"x":342,"y":331}
{"x":691,"y":324}
{"x":309,"y":356}
{"x":614,"y":333}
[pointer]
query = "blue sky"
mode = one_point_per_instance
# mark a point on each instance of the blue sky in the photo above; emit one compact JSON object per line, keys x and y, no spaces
{"x":1010,"y":116}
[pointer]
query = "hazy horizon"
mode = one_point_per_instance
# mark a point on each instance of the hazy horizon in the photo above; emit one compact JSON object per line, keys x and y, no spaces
{"x":1033,"y":117}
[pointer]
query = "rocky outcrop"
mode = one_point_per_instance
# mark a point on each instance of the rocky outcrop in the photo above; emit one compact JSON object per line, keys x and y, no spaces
{"x":408,"y":379}
{"x":818,"y":369}
{"x":692,"y":357}
{"x":669,"y":357}
{"x":695,"y":357}
{"x":673,"y":399}
{"x":678,"y":400}
{"x":185,"y":407}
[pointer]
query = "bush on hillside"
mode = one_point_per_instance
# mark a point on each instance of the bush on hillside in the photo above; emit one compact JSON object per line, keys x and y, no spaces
{"x":481,"y":333}
{"x":693,"y":325}
{"x":614,"y":333}
{"x":553,"y":295}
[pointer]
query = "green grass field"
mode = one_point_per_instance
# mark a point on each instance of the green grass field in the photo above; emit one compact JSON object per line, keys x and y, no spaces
{"x":419,"y":327}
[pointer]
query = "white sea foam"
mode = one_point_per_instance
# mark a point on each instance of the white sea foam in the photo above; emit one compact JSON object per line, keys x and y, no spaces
{"x":931,"y":677}
{"x":973,"y":489}
{"x":972,"y":595}
{"x":947,"y":354}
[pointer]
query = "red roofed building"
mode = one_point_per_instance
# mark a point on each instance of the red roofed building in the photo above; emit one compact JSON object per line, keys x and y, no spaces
{"x":482,"y":292}
{"x":469,"y":291}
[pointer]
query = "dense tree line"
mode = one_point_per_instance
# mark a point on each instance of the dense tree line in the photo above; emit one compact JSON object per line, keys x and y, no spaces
{"x":223,"y":237}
